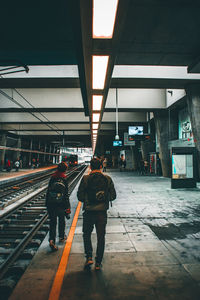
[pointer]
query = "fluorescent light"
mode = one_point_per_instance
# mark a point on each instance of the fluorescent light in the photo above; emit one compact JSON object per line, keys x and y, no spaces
{"x":104,"y":15}
{"x":96,"y":117}
{"x":94,"y":131}
{"x":95,"y":126}
{"x":97,"y":102}
{"x":100,"y":64}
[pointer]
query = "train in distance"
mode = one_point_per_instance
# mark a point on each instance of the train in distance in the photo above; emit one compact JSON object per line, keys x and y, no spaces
{"x":73,"y":160}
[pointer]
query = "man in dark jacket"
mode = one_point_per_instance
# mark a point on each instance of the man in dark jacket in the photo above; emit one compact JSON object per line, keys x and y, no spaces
{"x":58,"y":204}
{"x":95,"y":191}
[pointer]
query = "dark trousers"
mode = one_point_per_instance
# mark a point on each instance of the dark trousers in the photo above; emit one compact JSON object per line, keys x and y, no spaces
{"x":99,"y":219}
{"x":53,"y":215}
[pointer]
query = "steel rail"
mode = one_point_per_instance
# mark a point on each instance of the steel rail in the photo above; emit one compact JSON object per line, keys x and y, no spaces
{"x":12,"y":257}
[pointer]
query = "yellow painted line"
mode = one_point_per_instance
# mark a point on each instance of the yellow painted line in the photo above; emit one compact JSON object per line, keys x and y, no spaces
{"x":57,"y":284}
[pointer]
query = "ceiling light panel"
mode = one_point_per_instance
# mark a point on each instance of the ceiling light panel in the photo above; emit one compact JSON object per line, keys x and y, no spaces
{"x":96,"y":117}
{"x":100,"y":64}
{"x":104,"y":15}
{"x":95,"y":126}
{"x":97,"y":102}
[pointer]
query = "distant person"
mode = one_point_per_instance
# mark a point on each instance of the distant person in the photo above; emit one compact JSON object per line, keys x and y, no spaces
{"x":58,"y":205}
{"x":8,"y":165}
{"x":146,"y":166}
{"x":33,"y":163}
{"x":95,"y":191}
{"x":122,"y":162}
{"x":17,"y":165}
{"x":104,"y":164}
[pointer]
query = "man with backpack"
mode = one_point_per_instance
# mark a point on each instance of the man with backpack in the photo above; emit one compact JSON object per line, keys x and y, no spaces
{"x":95,"y":191}
{"x":58,"y":205}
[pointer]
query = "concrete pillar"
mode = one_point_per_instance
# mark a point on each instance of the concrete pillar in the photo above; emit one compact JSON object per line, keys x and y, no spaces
{"x":161,"y":119}
{"x":17,"y":153}
{"x":144,"y":150}
{"x":38,"y":155}
{"x":50,"y":156}
{"x":54,"y":157}
{"x":135,"y":157}
{"x":45,"y":147}
{"x":193,"y":101}
{"x":2,"y":152}
{"x":173,"y":124}
{"x":30,"y":148}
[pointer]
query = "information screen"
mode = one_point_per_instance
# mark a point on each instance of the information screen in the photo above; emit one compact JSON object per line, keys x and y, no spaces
{"x":117,"y":143}
{"x":135,"y":130}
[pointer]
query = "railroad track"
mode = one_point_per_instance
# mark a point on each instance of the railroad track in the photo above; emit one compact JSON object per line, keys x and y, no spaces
{"x":13,"y":192}
{"x":10,"y":193}
{"x":22,"y":231}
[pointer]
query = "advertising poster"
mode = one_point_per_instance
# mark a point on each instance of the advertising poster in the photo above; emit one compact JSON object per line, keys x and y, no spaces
{"x":182,"y":166}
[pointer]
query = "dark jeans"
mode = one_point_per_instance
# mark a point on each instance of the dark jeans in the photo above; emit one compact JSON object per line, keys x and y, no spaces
{"x":53,"y":215}
{"x":99,"y":219}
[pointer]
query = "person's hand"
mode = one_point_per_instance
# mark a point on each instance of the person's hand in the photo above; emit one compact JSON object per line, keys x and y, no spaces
{"x":67,"y":213}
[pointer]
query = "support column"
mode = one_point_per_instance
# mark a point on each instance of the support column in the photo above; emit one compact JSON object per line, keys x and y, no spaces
{"x":50,"y":157}
{"x":161,"y":119}
{"x":54,"y":156}
{"x":173,"y":125}
{"x":17,"y":153}
{"x":2,"y":152}
{"x":193,"y":102}
{"x":45,"y":147}
{"x":135,"y":157}
{"x":31,"y":147}
{"x":144,"y":150}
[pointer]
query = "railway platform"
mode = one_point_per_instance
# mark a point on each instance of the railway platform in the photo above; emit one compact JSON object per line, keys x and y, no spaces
{"x":152,"y":248}
{"x":22,"y":173}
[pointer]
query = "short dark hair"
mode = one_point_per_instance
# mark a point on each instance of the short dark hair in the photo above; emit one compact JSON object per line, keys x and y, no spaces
{"x":62,"y":167}
{"x":95,"y":164}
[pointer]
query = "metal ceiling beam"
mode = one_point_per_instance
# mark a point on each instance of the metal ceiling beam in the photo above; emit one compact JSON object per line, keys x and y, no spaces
{"x":41,"y":109}
{"x":39,"y":83}
{"x":152,"y":83}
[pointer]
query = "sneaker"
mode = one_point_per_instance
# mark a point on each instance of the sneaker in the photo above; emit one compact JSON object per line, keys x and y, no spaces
{"x":61,"y":240}
{"x":88,"y":262}
{"x":53,"y":246}
{"x":98,"y":266}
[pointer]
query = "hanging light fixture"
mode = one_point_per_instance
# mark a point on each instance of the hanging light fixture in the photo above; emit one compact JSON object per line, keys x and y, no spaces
{"x":117,"y":134}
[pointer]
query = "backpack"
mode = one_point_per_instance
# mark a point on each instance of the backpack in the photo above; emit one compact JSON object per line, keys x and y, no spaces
{"x":97,"y":188}
{"x":56,"y":191}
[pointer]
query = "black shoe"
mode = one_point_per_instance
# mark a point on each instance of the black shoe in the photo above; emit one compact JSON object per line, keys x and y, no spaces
{"x":62,"y":240}
{"x":52,"y":245}
{"x":88,"y":262}
{"x":98,"y":266}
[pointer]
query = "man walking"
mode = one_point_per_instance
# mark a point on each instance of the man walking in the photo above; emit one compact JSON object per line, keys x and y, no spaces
{"x":95,"y":191}
{"x":58,"y":205}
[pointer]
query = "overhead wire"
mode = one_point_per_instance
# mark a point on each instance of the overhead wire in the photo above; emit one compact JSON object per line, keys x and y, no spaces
{"x":17,"y":103}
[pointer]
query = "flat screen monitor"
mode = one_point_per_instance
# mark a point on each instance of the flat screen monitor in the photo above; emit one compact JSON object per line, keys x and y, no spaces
{"x":135,"y":130}
{"x":117,"y":143}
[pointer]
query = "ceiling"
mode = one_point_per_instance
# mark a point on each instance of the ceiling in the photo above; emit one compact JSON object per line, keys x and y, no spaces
{"x":53,"y":39}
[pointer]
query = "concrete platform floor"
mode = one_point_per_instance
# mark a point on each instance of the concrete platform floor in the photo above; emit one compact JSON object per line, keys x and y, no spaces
{"x":4,"y":175}
{"x":152,"y":248}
